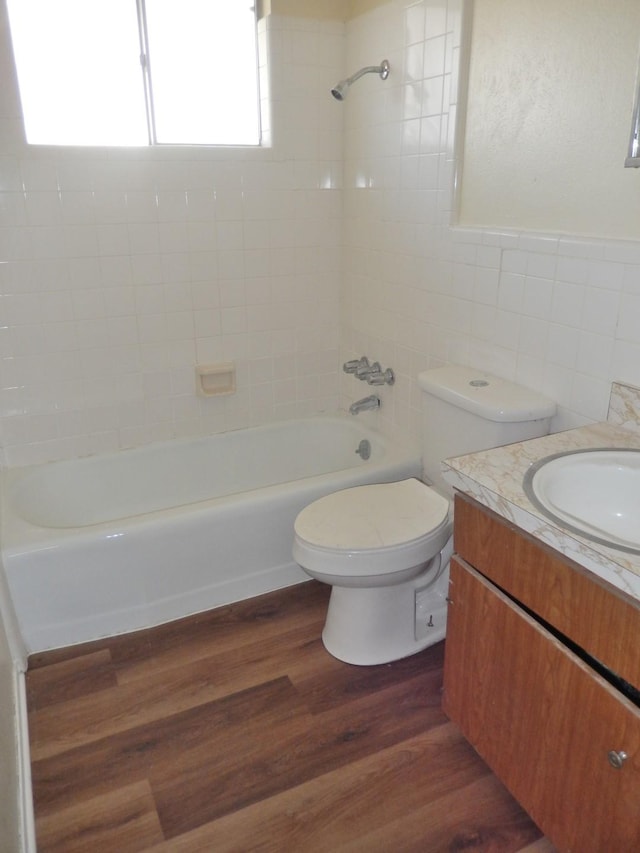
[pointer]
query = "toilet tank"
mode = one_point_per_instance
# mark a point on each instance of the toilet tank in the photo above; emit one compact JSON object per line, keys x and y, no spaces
{"x":465,"y":410}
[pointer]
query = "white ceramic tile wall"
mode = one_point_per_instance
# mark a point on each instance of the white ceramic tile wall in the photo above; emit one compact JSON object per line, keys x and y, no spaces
{"x":120,"y":270}
{"x":557,"y":313}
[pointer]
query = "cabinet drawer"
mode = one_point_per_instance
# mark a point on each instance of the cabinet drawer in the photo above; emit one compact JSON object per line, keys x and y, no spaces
{"x":542,"y":719}
{"x":600,"y":619}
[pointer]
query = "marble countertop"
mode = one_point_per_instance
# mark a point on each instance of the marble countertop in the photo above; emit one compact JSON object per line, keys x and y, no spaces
{"x":494,"y":478}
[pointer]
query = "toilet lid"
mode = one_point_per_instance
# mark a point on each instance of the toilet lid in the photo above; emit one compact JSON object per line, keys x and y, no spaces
{"x":383,"y":515}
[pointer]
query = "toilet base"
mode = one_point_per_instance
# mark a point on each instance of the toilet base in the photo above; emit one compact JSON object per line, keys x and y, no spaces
{"x":382,"y":624}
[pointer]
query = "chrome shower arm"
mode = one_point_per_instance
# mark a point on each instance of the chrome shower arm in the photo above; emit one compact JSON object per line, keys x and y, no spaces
{"x":370,"y":69}
{"x":340,"y":90}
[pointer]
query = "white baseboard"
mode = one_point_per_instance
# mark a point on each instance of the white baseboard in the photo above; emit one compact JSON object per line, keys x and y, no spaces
{"x":25,"y":796}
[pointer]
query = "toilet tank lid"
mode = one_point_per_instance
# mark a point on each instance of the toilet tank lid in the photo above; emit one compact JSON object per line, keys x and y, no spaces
{"x":485,"y":395}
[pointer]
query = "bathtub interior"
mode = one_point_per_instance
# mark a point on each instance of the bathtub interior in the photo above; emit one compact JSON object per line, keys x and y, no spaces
{"x":72,"y":585}
{"x":82,"y":492}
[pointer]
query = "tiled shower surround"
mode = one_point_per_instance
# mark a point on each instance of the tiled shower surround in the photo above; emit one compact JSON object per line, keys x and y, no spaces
{"x":123,"y":269}
{"x":120,"y":270}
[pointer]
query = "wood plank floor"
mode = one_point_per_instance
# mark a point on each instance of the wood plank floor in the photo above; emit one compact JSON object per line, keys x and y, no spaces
{"x":235,"y":730}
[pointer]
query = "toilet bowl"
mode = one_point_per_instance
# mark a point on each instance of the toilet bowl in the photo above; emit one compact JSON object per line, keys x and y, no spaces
{"x":383,"y":549}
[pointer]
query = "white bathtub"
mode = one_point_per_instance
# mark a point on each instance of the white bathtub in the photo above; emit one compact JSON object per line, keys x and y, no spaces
{"x":108,"y":544}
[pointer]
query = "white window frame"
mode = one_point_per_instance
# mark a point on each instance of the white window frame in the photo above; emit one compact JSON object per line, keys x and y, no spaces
{"x":633,"y":155}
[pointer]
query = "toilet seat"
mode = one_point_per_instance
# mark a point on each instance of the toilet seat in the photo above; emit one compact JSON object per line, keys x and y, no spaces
{"x":372,"y":530}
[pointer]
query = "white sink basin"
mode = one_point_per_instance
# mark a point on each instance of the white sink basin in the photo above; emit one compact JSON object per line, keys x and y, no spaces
{"x":595,"y":493}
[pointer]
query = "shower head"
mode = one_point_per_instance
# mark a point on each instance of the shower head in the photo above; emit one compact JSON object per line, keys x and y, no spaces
{"x":340,"y":90}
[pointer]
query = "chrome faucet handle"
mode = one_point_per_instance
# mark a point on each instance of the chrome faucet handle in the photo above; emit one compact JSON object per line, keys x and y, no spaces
{"x":379,"y":377}
{"x":364,"y":369}
{"x":355,"y":364}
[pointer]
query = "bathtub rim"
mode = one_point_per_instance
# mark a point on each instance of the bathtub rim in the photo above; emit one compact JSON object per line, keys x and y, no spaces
{"x":19,"y":536}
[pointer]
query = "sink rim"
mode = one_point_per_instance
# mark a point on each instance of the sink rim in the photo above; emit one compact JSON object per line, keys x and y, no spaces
{"x":529,"y":490}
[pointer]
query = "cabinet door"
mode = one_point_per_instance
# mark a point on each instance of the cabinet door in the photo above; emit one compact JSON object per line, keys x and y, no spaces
{"x":542,"y":720}
{"x":544,"y":580}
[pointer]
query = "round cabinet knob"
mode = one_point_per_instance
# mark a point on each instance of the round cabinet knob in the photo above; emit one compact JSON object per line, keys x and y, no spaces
{"x":617,"y":759}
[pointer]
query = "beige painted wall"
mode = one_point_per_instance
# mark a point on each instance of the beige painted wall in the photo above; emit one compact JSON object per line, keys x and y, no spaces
{"x":335,"y":10}
{"x":360,"y":7}
{"x":550,"y":100}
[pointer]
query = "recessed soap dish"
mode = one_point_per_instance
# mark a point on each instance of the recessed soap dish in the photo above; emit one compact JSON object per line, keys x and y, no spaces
{"x":215,"y":379}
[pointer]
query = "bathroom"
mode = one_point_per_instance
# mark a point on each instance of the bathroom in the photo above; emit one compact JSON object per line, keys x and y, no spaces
{"x":122,"y":270}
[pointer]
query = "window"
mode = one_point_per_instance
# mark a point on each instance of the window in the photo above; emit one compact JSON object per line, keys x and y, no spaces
{"x":633,"y":154}
{"x":137,"y":72}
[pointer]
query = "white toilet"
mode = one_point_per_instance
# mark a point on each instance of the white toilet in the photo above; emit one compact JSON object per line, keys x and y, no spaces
{"x":385,"y":548}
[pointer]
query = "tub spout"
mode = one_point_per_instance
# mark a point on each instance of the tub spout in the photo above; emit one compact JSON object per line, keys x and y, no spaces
{"x":370,"y":402}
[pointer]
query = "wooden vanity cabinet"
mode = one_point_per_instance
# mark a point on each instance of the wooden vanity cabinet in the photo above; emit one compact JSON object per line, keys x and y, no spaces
{"x":533,"y":705}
